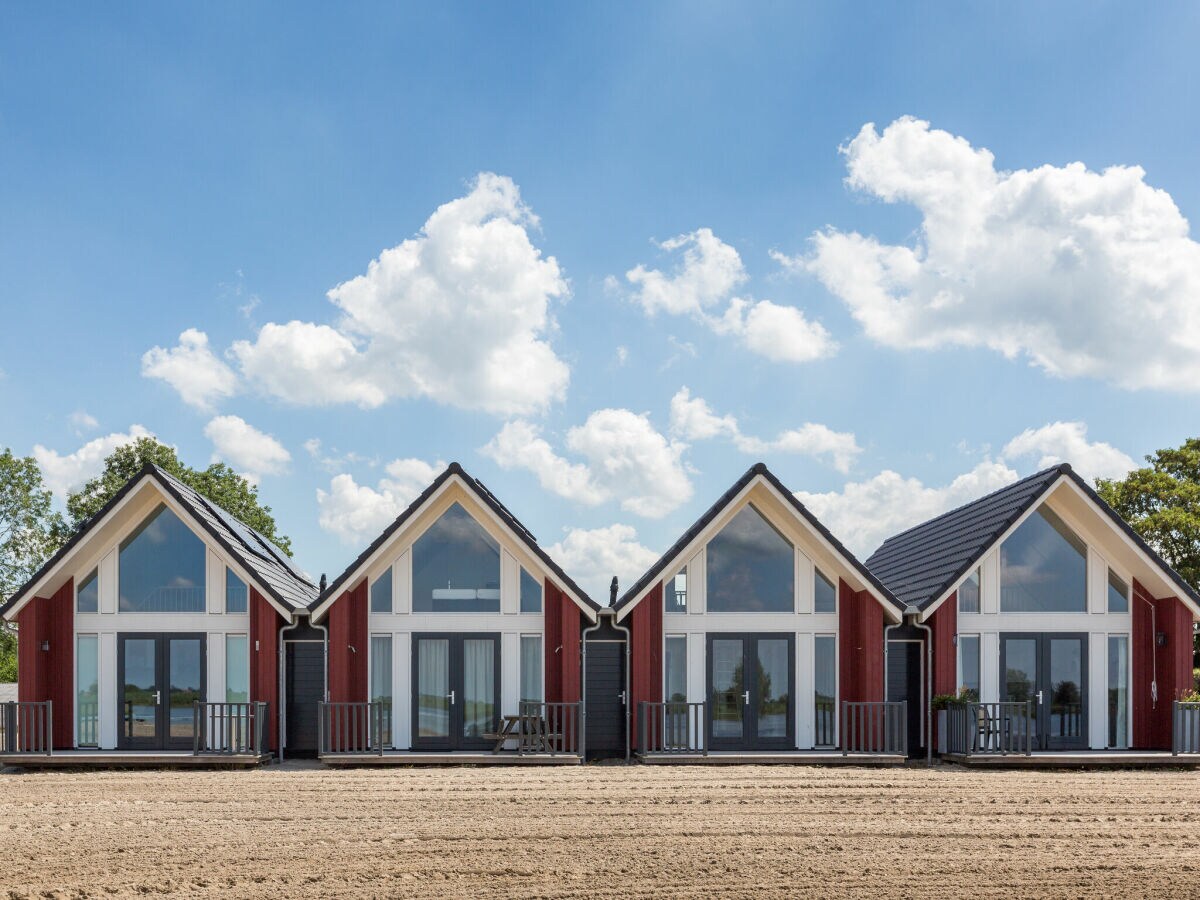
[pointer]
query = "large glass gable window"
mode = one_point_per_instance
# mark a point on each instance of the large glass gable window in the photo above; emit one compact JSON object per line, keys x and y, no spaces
{"x":751,"y":567}
{"x":456,"y":566}
{"x":1043,"y":567}
{"x":162,"y":566}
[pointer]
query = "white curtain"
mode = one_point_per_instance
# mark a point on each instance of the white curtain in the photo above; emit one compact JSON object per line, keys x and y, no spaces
{"x":531,"y":667}
{"x":479,"y":686}
{"x":433,"y":688}
{"x":381,"y":681}
{"x":1118,"y":691}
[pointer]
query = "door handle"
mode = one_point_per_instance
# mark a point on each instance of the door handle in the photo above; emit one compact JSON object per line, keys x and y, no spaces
{"x":746,"y":698}
{"x":451,"y":696}
{"x":157,"y":698}
{"x":622,"y":697}
{"x":1039,"y":696}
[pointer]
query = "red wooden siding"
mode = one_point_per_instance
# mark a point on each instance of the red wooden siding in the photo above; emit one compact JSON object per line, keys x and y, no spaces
{"x":49,"y":674}
{"x":348,"y":646}
{"x":944,"y":623}
{"x":860,"y":645}
{"x":265,"y":623}
{"x":646,"y":667}
{"x":1172,"y":663}
{"x":564,"y":625}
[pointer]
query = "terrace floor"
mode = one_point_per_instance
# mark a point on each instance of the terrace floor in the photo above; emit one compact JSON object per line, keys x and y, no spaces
{"x":131,"y":759}
{"x":772,"y":758}
{"x":450,"y":758}
{"x":1077,"y":759}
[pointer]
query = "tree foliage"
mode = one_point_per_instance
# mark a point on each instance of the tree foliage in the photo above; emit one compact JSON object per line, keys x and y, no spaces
{"x":218,"y":483}
{"x":1162,"y":503}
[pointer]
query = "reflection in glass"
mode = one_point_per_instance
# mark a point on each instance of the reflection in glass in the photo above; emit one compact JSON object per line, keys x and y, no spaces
{"x":675,"y":592}
{"x":1043,"y":567}
{"x":162,"y":567}
{"x":381,"y":592}
{"x":1020,"y":677}
{"x":774,"y":689}
{"x":728,"y":685}
{"x":1118,"y":593}
{"x":825,"y":688}
{"x":433,"y":687}
{"x":531,"y":593}
{"x":968,"y":594}
{"x":479,"y":687}
{"x":87,"y":595}
{"x":531,"y":668}
{"x":381,"y":682}
{"x":1066,"y":688}
{"x":237,"y":668}
{"x":676,"y":669}
{"x":87,"y":691}
{"x":186,"y":685}
{"x":456,"y":566}
{"x":140,"y":714}
{"x":751,"y":567}
{"x":824,"y":594}
{"x":968,"y":661}
{"x":237,"y":597}
{"x":1118,"y":691}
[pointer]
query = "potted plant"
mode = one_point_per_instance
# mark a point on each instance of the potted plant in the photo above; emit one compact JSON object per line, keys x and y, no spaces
{"x":941,"y":702}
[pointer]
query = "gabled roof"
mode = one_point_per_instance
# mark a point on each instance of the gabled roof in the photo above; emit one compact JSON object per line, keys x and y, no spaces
{"x":485,"y":497}
{"x":270,"y":567}
{"x":758,"y":470}
{"x":922,"y":564}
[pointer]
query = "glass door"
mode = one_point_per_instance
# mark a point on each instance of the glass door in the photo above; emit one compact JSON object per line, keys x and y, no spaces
{"x":159,"y":677}
{"x":1049,"y":670}
{"x":456,"y":686}
{"x":755,"y":712}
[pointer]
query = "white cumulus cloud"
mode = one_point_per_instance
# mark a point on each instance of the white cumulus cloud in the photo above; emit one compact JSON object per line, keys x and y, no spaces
{"x":357,"y":513}
{"x":1085,"y":273}
{"x":694,"y":420}
{"x":621,"y":457}
{"x":705,"y":278}
{"x":1061,"y":442}
{"x":593,"y":556}
{"x":251,"y":452}
{"x":192,"y":369}
{"x":460,"y":314}
{"x":65,"y":472}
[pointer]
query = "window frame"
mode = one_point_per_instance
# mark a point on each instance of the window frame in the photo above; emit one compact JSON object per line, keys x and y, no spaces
{"x":1049,"y":516}
{"x":93,"y":577}
{"x":676,"y":610}
{"x":523,"y":640}
{"x":818,"y":576}
{"x":977,"y":574}
{"x":961,"y":680}
{"x":416,"y":604}
{"x":124,"y":543}
{"x":709,"y":593}
{"x":679,"y":639}
{"x":236,"y":635}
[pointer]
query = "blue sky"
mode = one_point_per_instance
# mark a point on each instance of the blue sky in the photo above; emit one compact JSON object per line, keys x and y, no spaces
{"x":892,"y":319}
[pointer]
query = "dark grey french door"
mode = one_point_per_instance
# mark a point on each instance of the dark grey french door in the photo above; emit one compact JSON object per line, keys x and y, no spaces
{"x":456,"y":690}
{"x":750,"y":689}
{"x":158,"y":678}
{"x":1050,"y":670}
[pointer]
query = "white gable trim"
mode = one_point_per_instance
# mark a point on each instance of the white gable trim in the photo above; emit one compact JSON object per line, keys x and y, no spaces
{"x":1113,"y":529}
{"x":136,"y":494}
{"x":713,"y":527}
{"x":402,"y":534}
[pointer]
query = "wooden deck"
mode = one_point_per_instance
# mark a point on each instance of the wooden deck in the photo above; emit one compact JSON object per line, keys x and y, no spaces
{"x":129,"y":759}
{"x":1079,"y":759}
{"x":451,"y":758}
{"x":773,"y":758}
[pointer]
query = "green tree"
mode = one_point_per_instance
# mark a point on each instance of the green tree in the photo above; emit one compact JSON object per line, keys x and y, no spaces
{"x":218,"y":483}
{"x":1161,"y":502}
{"x":30,"y":532}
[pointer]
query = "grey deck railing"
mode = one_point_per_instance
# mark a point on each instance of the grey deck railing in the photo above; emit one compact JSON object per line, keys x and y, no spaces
{"x":27,"y":727}
{"x":1185,"y":728}
{"x":875,"y":727}
{"x":351,"y":728}
{"x":229,"y":728}
{"x":824,"y":722}
{"x":672,"y":727}
{"x":990,"y":728}
{"x":550,"y":728}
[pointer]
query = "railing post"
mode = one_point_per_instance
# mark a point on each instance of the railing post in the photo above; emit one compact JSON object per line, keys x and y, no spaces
{"x":49,"y":728}
{"x":1176,"y":724}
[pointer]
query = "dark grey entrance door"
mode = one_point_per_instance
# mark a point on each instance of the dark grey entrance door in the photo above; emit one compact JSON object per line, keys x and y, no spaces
{"x":752,"y":703}
{"x":904,"y":683}
{"x":604,"y":693}
{"x":1050,"y":670}
{"x":159,"y":676}
{"x":305,"y":678}
{"x":456,"y":690}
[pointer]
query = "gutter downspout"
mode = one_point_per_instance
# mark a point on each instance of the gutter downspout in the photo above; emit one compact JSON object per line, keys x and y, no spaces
{"x":913,"y":614}
{"x":1153,"y":654}
{"x":282,"y":713}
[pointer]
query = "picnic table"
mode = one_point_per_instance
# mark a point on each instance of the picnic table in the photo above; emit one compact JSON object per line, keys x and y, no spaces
{"x":528,"y":730}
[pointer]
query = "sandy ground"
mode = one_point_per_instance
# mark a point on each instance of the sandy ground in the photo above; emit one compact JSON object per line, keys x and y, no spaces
{"x":600,"y":831}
